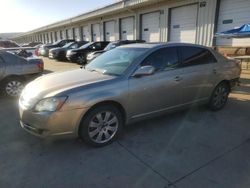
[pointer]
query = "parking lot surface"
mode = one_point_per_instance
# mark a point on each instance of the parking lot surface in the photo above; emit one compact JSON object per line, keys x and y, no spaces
{"x":190,"y":149}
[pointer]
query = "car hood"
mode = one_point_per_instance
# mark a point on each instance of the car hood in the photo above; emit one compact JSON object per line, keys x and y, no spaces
{"x":55,"y":49}
{"x":49,"y":46}
{"x":99,"y":52}
{"x":79,"y":49}
{"x":53,"y":84}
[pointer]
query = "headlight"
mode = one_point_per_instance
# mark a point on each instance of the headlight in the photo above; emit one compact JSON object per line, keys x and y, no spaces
{"x":70,"y":53}
{"x":89,"y":56}
{"x":50,"y":104}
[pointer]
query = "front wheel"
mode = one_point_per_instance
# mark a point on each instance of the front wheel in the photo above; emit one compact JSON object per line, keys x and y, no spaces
{"x":101,"y":126}
{"x":80,"y":60}
{"x":219,"y":97}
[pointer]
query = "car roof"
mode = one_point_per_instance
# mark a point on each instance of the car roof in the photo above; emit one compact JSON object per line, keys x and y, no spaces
{"x":160,"y":44}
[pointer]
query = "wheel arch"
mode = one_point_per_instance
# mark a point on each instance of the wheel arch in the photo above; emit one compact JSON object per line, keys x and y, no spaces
{"x":116,"y":104}
{"x":227,"y":82}
{"x":12,"y":76}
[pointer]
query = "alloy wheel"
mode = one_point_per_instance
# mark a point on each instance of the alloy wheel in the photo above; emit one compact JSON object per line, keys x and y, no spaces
{"x":220,"y":97}
{"x":14,"y":88}
{"x":80,"y":60}
{"x":103,"y":127}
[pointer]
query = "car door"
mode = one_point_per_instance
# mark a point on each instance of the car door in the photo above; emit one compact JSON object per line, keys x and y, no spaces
{"x":198,"y":74}
{"x":2,"y":67}
{"x":160,"y":91}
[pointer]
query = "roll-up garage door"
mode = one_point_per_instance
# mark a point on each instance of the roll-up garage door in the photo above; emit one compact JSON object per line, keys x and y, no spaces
{"x":70,"y":33}
{"x":58,"y":35}
{"x":55,"y":36}
{"x":127,"y":29}
{"x":77,"y":34}
{"x":52,"y":37}
{"x":151,"y":27}
{"x":65,"y":34}
{"x":109,"y":31}
{"x":233,"y":14}
{"x":96,"y":34}
{"x":85,"y":33}
{"x":183,"y":24}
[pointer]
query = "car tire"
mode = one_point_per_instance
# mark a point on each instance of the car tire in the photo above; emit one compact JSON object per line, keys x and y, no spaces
{"x":101,"y":126}
{"x":12,"y":87}
{"x":219,"y":96}
{"x":80,"y":60}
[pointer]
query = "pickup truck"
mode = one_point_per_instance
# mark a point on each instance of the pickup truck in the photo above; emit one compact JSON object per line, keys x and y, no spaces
{"x":16,"y":71}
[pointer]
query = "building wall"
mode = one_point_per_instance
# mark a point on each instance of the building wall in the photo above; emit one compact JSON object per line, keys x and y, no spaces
{"x":233,"y":14}
{"x":205,"y":19}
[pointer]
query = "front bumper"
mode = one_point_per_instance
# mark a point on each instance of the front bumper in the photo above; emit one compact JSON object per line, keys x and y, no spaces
{"x":49,"y":124}
{"x":235,"y":82}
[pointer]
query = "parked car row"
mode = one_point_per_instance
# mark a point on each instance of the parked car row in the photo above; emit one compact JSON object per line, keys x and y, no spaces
{"x":8,"y":44}
{"x":80,"y":52}
{"x":59,"y":53}
{"x":44,"y":49}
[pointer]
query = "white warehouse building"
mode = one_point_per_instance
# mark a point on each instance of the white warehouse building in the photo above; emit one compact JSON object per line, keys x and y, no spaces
{"x":192,"y":21}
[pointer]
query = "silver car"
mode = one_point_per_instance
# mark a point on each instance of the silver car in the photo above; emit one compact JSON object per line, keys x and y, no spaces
{"x":15,"y":71}
{"x":124,"y":85}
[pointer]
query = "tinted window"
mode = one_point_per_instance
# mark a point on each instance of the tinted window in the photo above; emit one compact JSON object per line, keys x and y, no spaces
{"x":62,"y":43}
{"x":196,"y":56}
{"x":163,"y":59}
{"x":104,"y":44}
{"x":97,"y":46}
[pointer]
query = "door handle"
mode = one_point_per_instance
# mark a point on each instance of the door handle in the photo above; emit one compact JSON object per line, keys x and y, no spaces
{"x":215,"y":71}
{"x":177,"y":78}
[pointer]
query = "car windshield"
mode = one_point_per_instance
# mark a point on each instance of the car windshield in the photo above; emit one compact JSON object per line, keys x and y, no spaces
{"x":110,"y":46}
{"x":115,"y":62}
{"x":57,"y":42}
{"x":86,"y":45}
{"x":68,"y":44}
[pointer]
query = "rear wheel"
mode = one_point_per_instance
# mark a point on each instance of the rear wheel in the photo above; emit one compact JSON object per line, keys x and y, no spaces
{"x":219,"y":97}
{"x":13,"y":87}
{"x":101,"y":126}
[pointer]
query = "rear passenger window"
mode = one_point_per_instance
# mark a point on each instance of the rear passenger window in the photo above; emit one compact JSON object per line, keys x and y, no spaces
{"x":163,"y":59}
{"x":196,"y":56}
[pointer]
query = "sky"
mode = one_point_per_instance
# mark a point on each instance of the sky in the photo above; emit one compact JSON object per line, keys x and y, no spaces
{"x":26,"y":15}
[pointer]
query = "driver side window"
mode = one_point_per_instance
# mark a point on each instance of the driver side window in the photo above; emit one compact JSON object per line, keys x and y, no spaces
{"x":163,"y":59}
{"x":97,"y":46}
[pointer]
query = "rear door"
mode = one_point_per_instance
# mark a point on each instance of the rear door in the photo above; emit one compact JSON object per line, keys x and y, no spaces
{"x":199,"y":74}
{"x":157,"y":92}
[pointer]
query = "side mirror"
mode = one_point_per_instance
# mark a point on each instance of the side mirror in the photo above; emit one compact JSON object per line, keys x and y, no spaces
{"x":144,"y":71}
